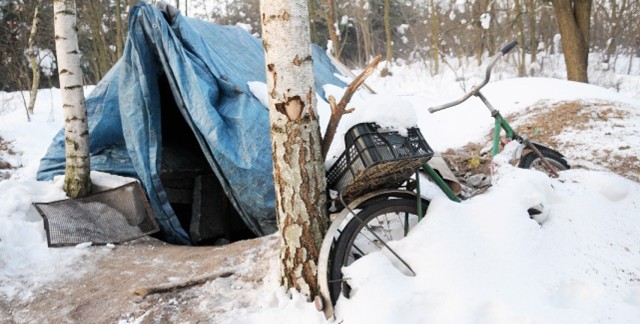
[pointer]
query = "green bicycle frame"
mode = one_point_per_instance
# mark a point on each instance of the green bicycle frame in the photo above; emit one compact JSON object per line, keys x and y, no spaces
{"x":500,"y":124}
{"x":439,"y":182}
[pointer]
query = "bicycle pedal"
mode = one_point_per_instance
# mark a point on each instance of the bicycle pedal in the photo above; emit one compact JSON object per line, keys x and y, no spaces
{"x":533,"y":212}
{"x":537,"y":214}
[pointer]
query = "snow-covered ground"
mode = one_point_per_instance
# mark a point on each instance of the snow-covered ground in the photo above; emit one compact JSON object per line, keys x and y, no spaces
{"x":481,"y":261}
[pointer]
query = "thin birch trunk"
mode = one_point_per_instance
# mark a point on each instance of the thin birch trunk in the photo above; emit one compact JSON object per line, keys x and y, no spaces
{"x":33,"y":58}
{"x":77,"y":182}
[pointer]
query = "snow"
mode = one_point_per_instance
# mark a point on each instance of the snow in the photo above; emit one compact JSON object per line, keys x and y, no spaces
{"x":46,"y":61}
{"x":485,"y":20}
{"x":480,"y":261}
{"x":477,"y":262}
{"x":247,"y":27}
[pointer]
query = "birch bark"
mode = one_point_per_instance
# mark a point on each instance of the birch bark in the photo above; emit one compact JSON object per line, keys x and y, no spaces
{"x":77,"y":182}
{"x":33,"y":58}
{"x":298,"y":169}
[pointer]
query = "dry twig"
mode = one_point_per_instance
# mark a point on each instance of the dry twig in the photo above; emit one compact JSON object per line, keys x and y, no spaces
{"x":337,"y":110}
{"x":182,"y":284}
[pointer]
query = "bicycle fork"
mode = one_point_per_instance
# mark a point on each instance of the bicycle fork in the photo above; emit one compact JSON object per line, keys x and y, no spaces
{"x":545,"y":163}
{"x":501,"y":123}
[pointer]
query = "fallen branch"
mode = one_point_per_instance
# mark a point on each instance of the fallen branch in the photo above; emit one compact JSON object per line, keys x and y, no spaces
{"x":182,"y":284}
{"x":337,"y":110}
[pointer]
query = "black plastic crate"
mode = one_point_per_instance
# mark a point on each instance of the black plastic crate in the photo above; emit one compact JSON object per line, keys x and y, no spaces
{"x":374,"y":158}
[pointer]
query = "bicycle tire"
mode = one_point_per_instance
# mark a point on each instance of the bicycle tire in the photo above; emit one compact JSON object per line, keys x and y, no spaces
{"x":346,"y":250}
{"x":532,"y":161}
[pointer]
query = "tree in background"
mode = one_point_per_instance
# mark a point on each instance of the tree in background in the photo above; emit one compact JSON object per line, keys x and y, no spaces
{"x":430,"y":32}
{"x":77,"y":181}
{"x":389,"y":43}
{"x":332,"y":29}
{"x":573,"y":18}
{"x":119,"y":29}
{"x":521,"y":37}
{"x":33,"y":58}
{"x":298,"y":169}
{"x":533,"y":36}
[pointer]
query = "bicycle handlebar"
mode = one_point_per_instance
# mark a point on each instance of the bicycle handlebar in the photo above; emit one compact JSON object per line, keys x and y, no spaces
{"x":475,"y":89}
{"x":507,"y":48}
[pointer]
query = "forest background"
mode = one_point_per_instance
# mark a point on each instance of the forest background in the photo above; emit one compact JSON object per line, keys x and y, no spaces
{"x":438,"y":34}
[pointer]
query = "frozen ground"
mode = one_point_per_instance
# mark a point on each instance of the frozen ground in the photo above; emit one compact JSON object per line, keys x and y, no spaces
{"x":475,"y":262}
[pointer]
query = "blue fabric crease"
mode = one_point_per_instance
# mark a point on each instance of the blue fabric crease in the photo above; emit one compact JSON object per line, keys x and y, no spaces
{"x":207,"y":67}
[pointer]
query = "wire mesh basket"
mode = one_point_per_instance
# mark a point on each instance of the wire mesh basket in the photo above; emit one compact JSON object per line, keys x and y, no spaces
{"x":376,"y":158}
{"x":113,"y":216}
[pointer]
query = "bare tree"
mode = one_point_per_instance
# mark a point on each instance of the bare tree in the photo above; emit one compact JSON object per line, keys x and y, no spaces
{"x":77,"y":182}
{"x":573,"y":18}
{"x":533,"y":36}
{"x":331,"y":25}
{"x":389,"y":43}
{"x":361,"y":10}
{"x":298,"y":170}
{"x":33,"y":58}
{"x":435,"y":37}
{"x":522,"y":64}
{"x":102,"y":54}
{"x":119,"y":29}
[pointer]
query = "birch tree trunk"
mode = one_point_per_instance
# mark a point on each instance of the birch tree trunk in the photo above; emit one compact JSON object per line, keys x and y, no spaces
{"x":298,"y":170}
{"x":33,"y":58}
{"x":77,"y":182}
{"x":312,"y":21}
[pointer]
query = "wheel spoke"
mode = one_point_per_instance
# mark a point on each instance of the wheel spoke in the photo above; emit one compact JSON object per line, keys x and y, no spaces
{"x":370,"y":231}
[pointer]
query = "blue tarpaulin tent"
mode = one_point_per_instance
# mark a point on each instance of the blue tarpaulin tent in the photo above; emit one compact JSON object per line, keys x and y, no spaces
{"x":206,"y":68}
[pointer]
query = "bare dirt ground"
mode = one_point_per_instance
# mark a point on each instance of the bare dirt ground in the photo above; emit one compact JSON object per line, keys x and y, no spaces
{"x":104,"y":291}
{"x":544,"y":123}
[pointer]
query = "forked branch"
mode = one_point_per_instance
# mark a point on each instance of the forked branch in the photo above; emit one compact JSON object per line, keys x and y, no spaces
{"x":339,"y":109}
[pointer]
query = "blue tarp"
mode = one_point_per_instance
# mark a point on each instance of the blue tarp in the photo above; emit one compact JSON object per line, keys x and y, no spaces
{"x":207,"y":67}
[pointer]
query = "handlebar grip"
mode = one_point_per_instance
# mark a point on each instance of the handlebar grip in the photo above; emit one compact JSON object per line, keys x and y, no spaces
{"x":507,"y":48}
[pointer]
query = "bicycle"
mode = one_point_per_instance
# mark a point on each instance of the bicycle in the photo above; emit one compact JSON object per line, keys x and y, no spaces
{"x":379,"y":176}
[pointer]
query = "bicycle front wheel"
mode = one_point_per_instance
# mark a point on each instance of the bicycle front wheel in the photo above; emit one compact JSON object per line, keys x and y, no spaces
{"x":386,"y":221}
{"x":532,"y":161}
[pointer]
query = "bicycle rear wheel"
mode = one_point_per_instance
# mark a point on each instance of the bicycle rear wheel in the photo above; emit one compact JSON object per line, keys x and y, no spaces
{"x":390,"y":220}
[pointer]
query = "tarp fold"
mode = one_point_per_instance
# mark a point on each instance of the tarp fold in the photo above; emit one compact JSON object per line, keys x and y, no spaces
{"x":207,"y":67}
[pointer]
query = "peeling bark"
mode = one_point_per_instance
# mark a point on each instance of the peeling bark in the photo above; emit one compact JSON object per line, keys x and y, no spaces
{"x":298,"y":170}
